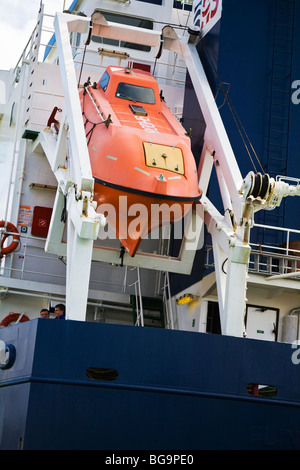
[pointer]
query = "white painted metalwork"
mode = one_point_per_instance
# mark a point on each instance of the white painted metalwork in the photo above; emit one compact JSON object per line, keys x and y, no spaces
{"x":167,"y":301}
{"x":76,"y":184}
{"x":230,"y":233}
{"x":138,"y":300}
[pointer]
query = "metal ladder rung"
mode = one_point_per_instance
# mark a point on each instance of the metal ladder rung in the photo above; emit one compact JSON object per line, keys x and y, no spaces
{"x":278,"y":145}
{"x":280,"y":91}
{"x":279,"y":118}
{"x":283,"y":26}
{"x":282,"y":105}
{"x":287,"y":66}
{"x":283,"y":77}
{"x":283,"y":39}
{"x":278,"y":131}
{"x":284,"y":13}
{"x":282,"y":51}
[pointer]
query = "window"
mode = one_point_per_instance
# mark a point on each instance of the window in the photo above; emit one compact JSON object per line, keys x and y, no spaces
{"x":126,"y":91}
{"x":131,"y":21}
{"x":104,"y":81}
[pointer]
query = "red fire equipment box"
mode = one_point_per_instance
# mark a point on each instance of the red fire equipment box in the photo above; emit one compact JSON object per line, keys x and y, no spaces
{"x":40,"y":221}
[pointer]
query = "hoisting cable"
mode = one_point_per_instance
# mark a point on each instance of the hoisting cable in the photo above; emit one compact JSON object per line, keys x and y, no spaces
{"x":239,"y":123}
{"x":183,"y":28}
{"x":85,"y":46}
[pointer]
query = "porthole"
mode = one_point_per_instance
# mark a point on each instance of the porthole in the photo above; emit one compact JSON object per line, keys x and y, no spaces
{"x":100,"y":373}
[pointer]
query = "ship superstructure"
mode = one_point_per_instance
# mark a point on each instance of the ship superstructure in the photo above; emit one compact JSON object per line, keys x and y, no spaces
{"x":204,"y":273}
{"x":40,"y":178}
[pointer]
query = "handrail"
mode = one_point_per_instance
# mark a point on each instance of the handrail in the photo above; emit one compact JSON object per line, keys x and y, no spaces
{"x":47,"y":29}
{"x":23,"y":55}
{"x":266,"y":259}
{"x":40,"y":254}
{"x":138,"y":299}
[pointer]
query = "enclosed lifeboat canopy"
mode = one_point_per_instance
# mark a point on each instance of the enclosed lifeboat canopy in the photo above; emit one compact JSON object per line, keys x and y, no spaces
{"x":145,"y":173}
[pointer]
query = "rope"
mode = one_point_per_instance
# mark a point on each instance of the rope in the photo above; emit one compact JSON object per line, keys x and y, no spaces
{"x":87,"y":120}
{"x":85,"y":46}
{"x":235,"y":114}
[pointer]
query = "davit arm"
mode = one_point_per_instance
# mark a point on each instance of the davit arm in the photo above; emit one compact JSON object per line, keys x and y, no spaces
{"x":241,"y":198}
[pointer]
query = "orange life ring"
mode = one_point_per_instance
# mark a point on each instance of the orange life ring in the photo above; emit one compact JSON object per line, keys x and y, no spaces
{"x":12,"y":318}
{"x":16,"y":238}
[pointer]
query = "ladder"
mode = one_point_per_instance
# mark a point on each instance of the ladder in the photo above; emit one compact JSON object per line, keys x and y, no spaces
{"x":33,"y":61}
{"x":280,"y":101}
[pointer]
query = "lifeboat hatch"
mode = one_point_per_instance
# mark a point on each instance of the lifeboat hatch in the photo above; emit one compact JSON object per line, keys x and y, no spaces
{"x":164,"y":157}
{"x":139,"y":110}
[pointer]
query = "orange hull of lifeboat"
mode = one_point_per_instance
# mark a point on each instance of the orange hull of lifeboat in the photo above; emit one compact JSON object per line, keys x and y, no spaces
{"x":144,"y":170}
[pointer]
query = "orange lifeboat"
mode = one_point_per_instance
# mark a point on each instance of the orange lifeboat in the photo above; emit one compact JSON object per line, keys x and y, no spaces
{"x":144,"y":171}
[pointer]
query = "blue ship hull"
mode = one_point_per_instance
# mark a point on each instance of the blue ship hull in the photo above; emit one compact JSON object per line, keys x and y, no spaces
{"x":80,"y":385}
{"x":150,"y":389}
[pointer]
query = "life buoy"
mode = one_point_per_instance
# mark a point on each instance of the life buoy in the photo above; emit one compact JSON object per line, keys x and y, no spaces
{"x":13,"y":317}
{"x":12,"y":230}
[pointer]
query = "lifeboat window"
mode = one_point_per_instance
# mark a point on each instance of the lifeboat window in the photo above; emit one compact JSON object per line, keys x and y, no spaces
{"x":104,"y":81}
{"x":141,"y":94}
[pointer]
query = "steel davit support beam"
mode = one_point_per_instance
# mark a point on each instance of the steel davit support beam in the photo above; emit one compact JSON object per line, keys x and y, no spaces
{"x":229,"y":232}
{"x":75,"y":184}
{"x":79,"y":256}
{"x":82,"y":172}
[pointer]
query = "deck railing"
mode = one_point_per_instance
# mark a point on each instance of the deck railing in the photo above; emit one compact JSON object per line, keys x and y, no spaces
{"x":30,"y":262}
{"x":46,"y":42}
{"x":271,"y":259}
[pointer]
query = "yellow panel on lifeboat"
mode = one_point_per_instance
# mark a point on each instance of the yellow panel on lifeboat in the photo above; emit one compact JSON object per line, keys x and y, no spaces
{"x":164,"y":157}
